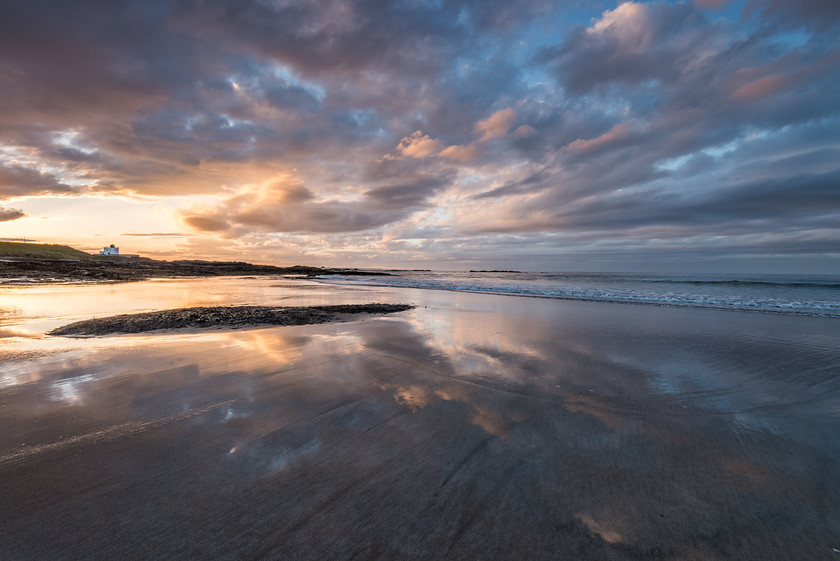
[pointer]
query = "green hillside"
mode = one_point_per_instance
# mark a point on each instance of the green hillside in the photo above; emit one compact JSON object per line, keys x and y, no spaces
{"x":41,"y":251}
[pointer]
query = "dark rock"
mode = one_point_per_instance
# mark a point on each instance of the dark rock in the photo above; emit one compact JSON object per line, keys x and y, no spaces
{"x":221,"y":316}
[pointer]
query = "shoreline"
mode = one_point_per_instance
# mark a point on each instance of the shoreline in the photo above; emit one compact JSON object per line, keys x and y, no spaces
{"x":107,"y":270}
{"x":222,"y":270}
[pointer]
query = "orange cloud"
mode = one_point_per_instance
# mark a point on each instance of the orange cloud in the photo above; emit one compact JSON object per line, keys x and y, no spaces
{"x":206,"y":223}
{"x":462,"y":154}
{"x":420,"y":145}
{"x":496,"y":125}
{"x":617,"y":133}
{"x":523,"y":131}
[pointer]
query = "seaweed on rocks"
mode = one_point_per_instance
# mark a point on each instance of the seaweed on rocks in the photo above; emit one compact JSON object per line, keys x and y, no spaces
{"x":221,"y":316}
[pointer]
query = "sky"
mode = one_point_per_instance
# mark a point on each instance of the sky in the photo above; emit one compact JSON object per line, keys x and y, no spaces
{"x":580,"y":135}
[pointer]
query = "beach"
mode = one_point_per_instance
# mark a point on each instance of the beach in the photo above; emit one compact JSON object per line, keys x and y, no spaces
{"x":473,"y":426}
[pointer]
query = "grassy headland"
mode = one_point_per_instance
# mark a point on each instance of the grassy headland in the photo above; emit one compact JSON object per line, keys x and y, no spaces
{"x":22,"y":263}
{"x":41,"y":251}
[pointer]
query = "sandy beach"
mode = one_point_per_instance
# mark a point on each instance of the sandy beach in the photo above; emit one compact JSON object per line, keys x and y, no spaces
{"x":471,"y":427}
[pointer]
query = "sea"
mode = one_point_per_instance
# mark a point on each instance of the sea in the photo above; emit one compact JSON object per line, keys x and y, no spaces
{"x":808,"y":295}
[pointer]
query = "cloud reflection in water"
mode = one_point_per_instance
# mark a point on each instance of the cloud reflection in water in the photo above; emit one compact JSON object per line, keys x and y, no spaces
{"x":552,"y":426}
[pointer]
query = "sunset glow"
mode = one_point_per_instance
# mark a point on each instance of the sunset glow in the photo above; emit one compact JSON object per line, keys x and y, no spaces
{"x":526,"y":134}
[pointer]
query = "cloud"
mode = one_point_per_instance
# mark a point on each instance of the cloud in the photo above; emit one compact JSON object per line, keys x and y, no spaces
{"x":284,"y":205}
{"x":651,"y":119}
{"x":461,"y":153}
{"x":419,"y":145}
{"x":8,"y":214}
{"x":761,"y":87}
{"x":523,"y":131}
{"x":19,"y":181}
{"x":496,"y":125}
{"x":631,"y":44}
{"x":531,"y":184}
{"x":618,"y":133}
{"x":818,"y":15}
{"x":780,"y":191}
{"x":225,"y":90}
{"x":711,"y":4}
{"x":156,"y":234}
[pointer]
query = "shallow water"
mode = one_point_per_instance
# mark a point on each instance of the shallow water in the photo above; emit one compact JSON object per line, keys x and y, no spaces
{"x":475,"y":426}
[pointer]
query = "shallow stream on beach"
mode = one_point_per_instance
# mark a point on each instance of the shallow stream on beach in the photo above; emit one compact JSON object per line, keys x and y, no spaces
{"x":474,"y":426}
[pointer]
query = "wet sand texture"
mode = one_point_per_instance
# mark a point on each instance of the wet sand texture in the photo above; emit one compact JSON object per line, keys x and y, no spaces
{"x":221,"y":316}
{"x":472,"y":427}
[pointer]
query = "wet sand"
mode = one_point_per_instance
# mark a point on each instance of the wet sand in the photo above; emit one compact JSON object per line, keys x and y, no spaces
{"x":472,"y":427}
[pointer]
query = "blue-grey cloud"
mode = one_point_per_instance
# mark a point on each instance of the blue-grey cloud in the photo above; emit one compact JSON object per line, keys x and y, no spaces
{"x":20,"y":180}
{"x":820,"y":15}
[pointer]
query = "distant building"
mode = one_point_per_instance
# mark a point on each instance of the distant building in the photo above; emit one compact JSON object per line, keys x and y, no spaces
{"x":110,"y":250}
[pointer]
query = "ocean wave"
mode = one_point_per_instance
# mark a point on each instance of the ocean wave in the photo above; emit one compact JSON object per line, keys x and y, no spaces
{"x":741,"y":295}
{"x":734,"y":282}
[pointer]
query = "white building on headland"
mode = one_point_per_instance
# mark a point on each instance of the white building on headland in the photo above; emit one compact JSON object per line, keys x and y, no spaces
{"x":110,"y":250}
